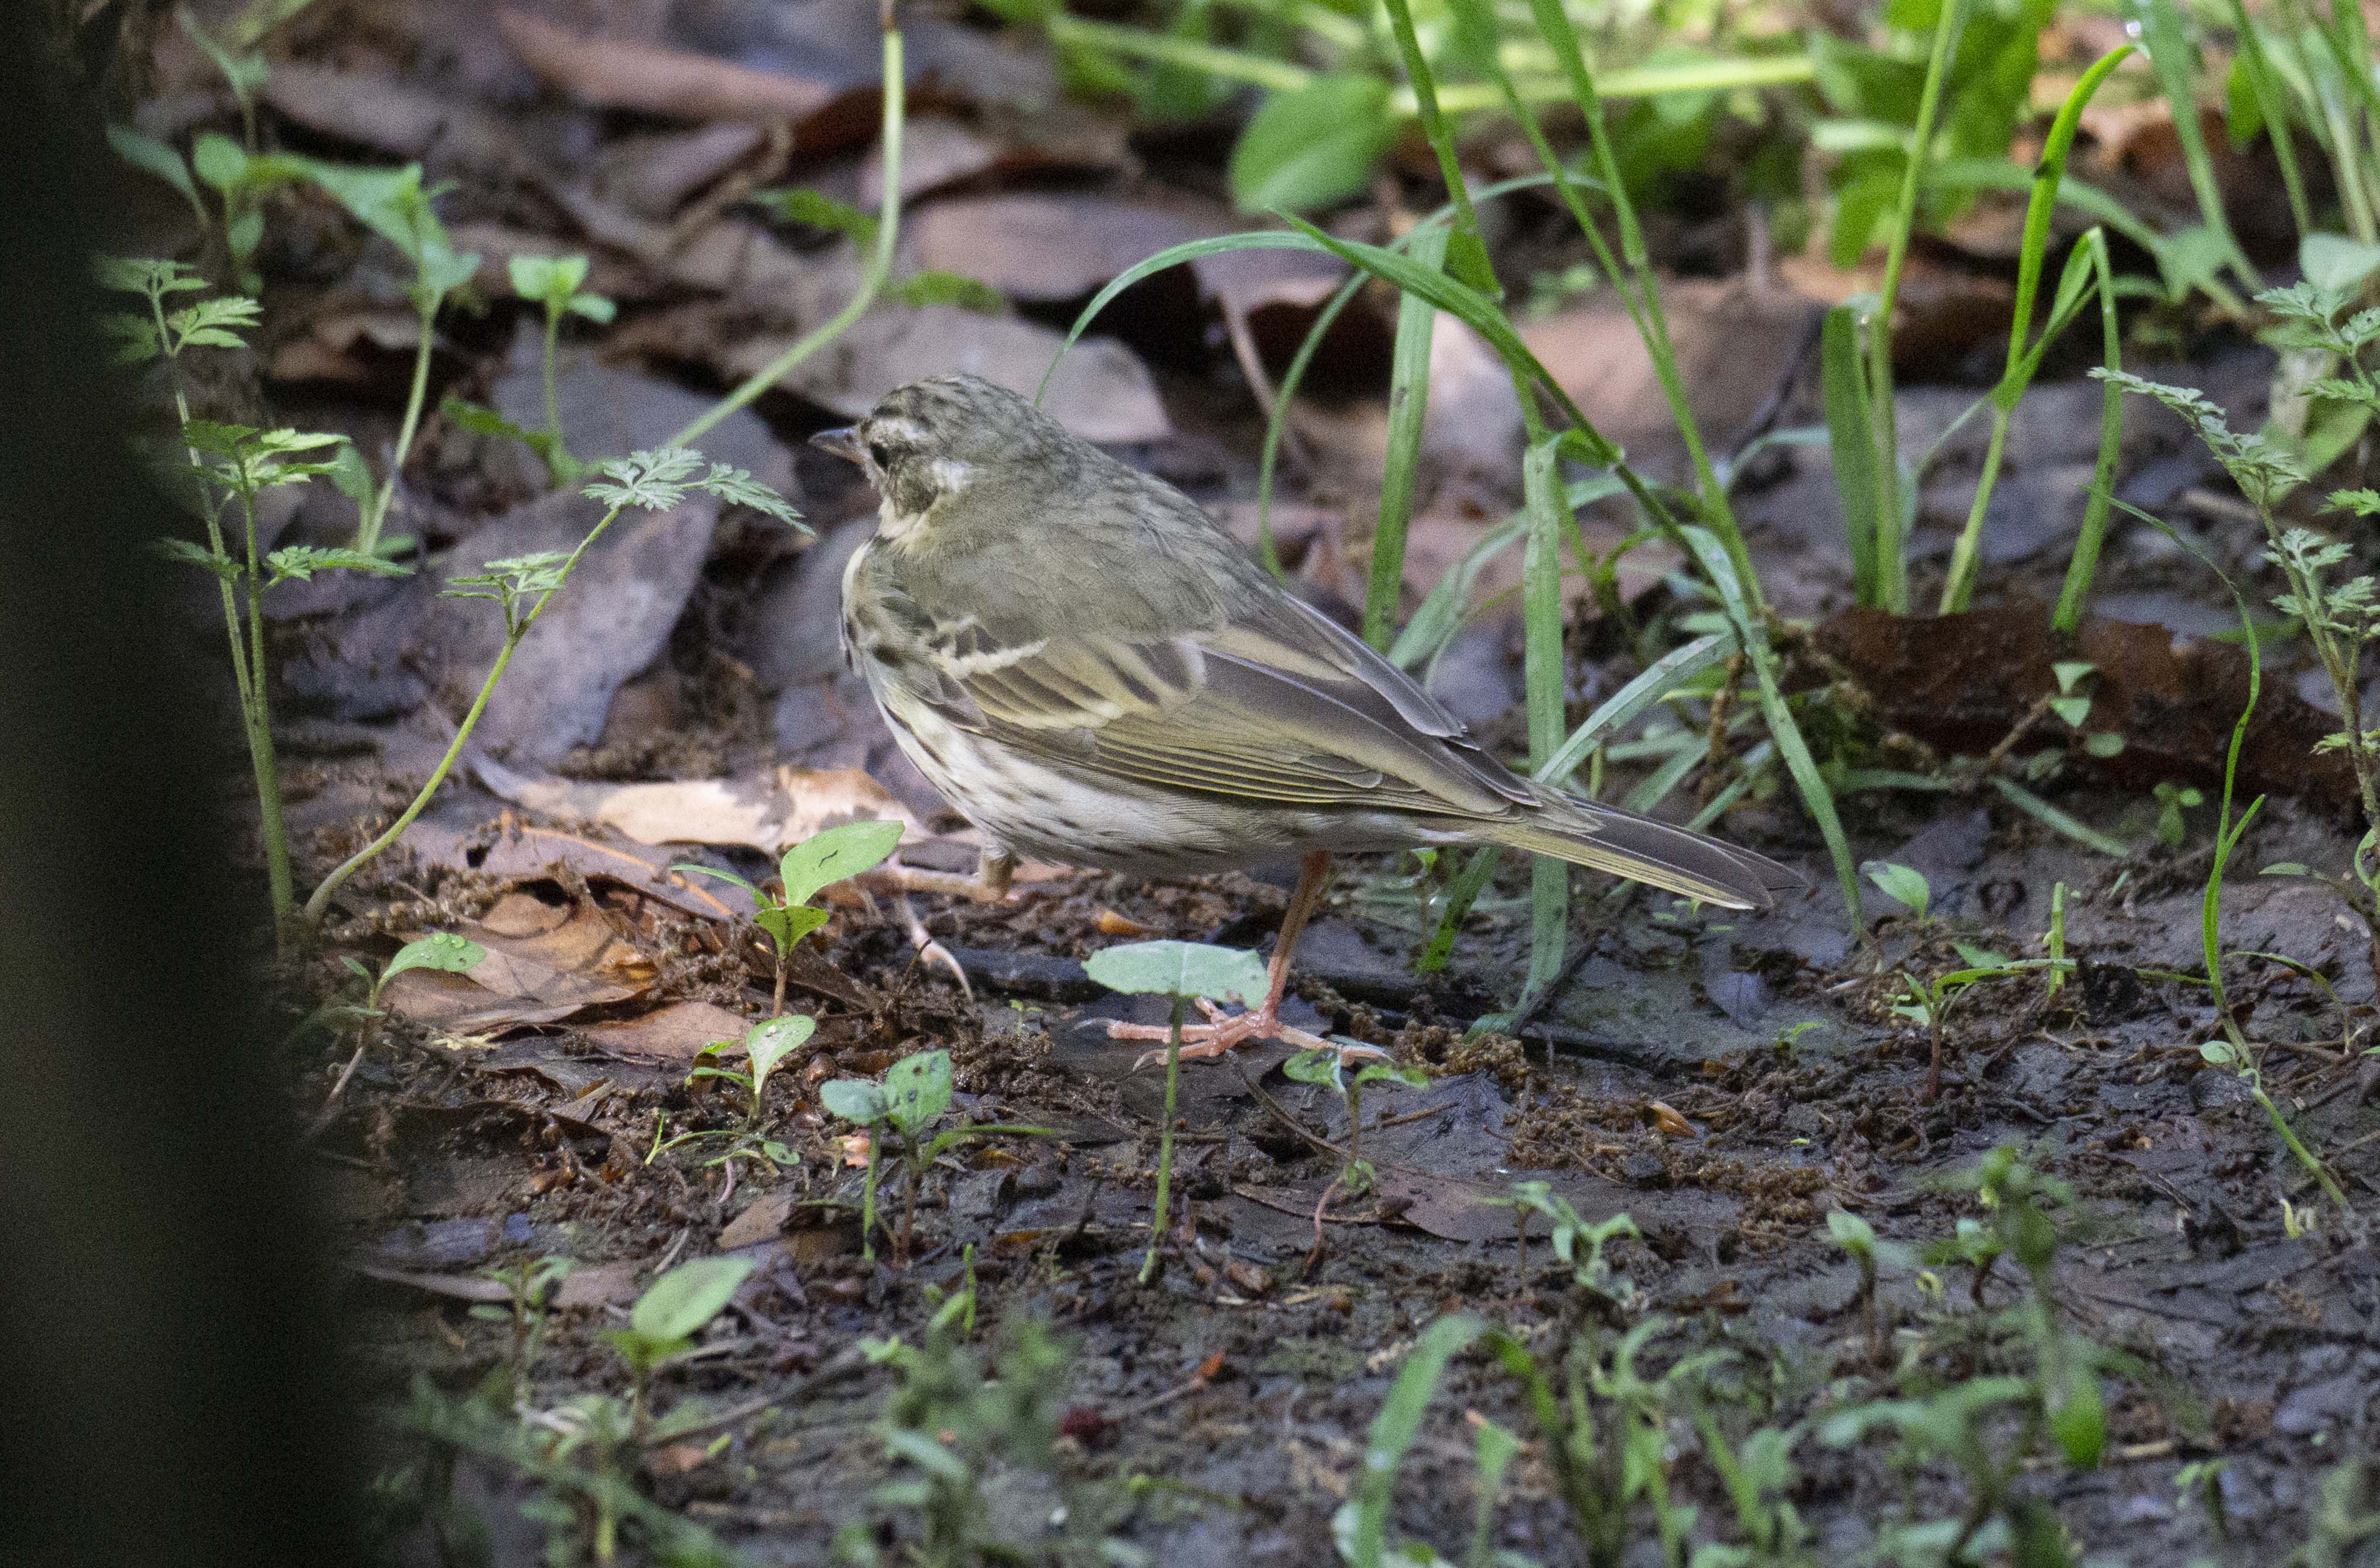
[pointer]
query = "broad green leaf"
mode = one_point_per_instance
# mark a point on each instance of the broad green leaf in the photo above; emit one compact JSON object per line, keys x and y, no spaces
{"x":152,"y":156}
{"x":787,"y":924}
{"x":770,"y":1043}
{"x":2337,"y":264}
{"x":917,"y":1089}
{"x":1180,"y":968}
{"x":551,"y":280}
{"x":1901,"y":884}
{"x":854,"y":1100}
{"x":2079,"y":1417}
{"x":440,"y":950}
{"x":1312,"y":146}
{"x":1851,"y":1234}
{"x":1392,"y":1073}
{"x":678,"y":1304}
{"x":1317,"y":1066}
{"x":837,"y":855}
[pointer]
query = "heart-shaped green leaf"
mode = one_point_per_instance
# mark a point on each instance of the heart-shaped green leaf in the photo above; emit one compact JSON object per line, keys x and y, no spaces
{"x":1180,"y":968}
{"x":836,"y":855}
{"x":439,"y":950}
{"x":682,"y":1301}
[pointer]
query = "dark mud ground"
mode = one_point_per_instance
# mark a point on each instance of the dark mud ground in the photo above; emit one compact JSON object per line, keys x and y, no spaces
{"x":1218,"y":1415}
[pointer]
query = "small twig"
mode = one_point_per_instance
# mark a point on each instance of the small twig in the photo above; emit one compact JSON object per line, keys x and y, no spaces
{"x":2008,"y":743}
{"x":1314,"y":1256}
{"x":1715,"y":743}
{"x":1283,"y":1114}
{"x":330,"y":1111}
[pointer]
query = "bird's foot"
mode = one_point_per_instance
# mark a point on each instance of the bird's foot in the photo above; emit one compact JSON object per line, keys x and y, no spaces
{"x":1220,"y":1033}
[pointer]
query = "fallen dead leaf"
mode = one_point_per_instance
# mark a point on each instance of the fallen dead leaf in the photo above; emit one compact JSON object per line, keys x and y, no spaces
{"x":1101,"y":391}
{"x":769,"y":812}
{"x":677,"y":1032}
{"x":607,"y":73}
{"x":761,"y":1221}
{"x":538,"y":978}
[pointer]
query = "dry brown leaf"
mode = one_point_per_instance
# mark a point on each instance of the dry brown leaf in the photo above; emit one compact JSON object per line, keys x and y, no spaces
{"x":1734,"y":343}
{"x":677,"y":1032}
{"x":769,"y":812}
{"x":1101,"y":391}
{"x":607,"y":73}
{"x":538,"y":978}
{"x":761,"y":1221}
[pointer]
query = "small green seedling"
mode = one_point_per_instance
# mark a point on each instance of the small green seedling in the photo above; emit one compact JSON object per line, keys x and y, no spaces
{"x":666,"y":1318}
{"x":1901,"y":884}
{"x":2173,"y":799}
{"x":1857,"y":1237}
{"x":443,"y":950}
{"x":553,"y":283}
{"x":531,"y":1284}
{"x":1576,"y":1241}
{"x":2053,"y":942}
{"x":1181,"y":970}
{"x":914,"y":1093}
{"x":1324,"y":1067}
{"x":766,"y":1045}
{"x":835,"y":856}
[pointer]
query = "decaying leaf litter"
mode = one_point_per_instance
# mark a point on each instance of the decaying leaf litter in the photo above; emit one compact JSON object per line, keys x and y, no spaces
{"x":1791,"y":1108}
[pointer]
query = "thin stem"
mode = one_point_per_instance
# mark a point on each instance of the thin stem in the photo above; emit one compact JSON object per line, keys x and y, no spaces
{"x":868,"y":1195}
{"x":879,"y":263}
{"x":1165,"y":1141}
{"x":258,"y":714}
{"x":513,"y":636}
{"x":368,"y":535}
{"x":1891,"y":559}
{"x":552,"y":402}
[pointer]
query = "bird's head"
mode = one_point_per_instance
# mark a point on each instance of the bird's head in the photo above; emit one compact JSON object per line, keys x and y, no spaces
{"x":933,"y":442}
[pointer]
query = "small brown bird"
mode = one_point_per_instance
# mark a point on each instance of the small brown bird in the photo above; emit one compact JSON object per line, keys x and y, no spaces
{"x":1095,"y":672}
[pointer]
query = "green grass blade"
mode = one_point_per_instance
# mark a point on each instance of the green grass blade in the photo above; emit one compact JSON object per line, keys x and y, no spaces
{"x":1622,"y":708}
{"x":1461,"y":895}
{"x":2274,"y":106}
{"x":2084,"y":563}
{"x":1395,"y":1427}
{"x":1637,"y":287}
{"x":1544,"y":679}
{"x":2024,"y":358}
{"x":1816,"y":799}
{"x":2175,"y":61}
{"x":2042,"y":811}
{"x":1442,"y":613}
{"x":1892,"y":561}
{"x":2001,"y":174}
{"x":1408,"y":408}
{"x":1852,"y":441}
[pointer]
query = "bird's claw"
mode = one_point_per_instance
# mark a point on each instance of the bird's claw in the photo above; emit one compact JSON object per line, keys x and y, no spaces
{"x":1220,"y":1033}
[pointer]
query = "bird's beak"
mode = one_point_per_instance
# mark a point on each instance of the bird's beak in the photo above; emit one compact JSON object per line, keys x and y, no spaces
{"x":844,"y":443}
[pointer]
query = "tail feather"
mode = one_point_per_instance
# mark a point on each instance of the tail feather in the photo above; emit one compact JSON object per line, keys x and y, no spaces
{"x":1643,"y":849}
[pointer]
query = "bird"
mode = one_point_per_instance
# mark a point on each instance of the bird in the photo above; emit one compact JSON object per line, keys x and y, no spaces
{"x":1094,"y":672}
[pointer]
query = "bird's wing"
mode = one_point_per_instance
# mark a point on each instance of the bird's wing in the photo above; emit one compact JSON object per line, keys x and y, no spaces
{"x":1277,"y":706}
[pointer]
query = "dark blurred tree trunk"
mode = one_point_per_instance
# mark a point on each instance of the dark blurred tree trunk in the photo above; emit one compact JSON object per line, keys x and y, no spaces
{"x":167,"y":1390}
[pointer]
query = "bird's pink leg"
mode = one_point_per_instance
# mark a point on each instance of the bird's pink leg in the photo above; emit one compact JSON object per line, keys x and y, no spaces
{"x":1220,"y":1034}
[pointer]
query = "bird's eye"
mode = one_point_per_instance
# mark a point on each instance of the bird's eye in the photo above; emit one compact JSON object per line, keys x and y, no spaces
{"x":880,"y":453}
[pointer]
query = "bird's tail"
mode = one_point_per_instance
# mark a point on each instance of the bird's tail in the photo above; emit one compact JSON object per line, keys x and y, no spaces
{"x":1674,"y":858}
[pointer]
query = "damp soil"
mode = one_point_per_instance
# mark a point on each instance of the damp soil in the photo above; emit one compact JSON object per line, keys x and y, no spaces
{"x":1724,"y":1080}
